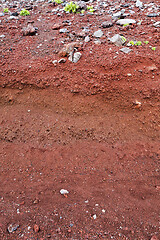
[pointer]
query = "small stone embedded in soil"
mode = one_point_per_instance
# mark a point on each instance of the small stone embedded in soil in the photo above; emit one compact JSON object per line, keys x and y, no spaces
{"x":64,"y":191}
{"x":125,"y":50}
{"x":36,"y":228}
{"x":87,"y":39}
{"x":98,"y":34}
{"x":68,"y":48}
{"x":29,"y":30}
{"x":94,"y":216}
{"x":117,"y":40}
{"x":12,"y":227}
{"x":126,"y":21}
{"x":75,"y":57}
{"x":107,"y":24}
{"x":62,"y":60}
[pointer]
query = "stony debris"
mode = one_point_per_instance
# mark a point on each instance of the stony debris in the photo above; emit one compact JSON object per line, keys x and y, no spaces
{"x":154,"y":237}
{"x":125,"y":50}
{"x":68,"y":48}
{"x":107,"y":24}
{"x":87,"y":39}
{"x":139,"y":4}
{"x":12,"y":227}
{"x":36,"y":228}
{"x":75,"y":57}
{"x":126,"y":21}
{"x":98,"y":34}
{"x":117,"y":40}
{"x":64,"y":191}
{"x":62,"y":60}
{"x":29,"y":30}
{"x":156,"y":24}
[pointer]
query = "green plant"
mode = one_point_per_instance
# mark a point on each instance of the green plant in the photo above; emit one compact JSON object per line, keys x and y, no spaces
{"x":154,"y":48}
{"x":139,"y":43}
{"x":71,"y":7}
{"x":82,"y":11}
{"x":90,"y":8}
{"x":132,"y":43}
{"x":126,"y":24}
{"x":146,"y":42}
{"x":5,"y":10}
{"x":123,"y":39}
{"x":58,"y":1}
{"x":24,"y":12}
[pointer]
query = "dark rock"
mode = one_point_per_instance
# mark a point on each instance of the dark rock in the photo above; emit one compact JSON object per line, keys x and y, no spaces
{"x":14,"y":14}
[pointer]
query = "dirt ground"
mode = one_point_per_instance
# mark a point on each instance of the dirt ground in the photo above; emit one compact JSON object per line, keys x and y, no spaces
{"x":91,"y":128}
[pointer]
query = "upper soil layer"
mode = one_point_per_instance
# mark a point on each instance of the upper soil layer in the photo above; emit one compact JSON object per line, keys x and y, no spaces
{"x":91,"y":127}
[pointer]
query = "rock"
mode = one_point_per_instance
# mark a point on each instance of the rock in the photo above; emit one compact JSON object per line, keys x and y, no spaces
{"x":107,"y":24}
{"x":68,"y":48}
{"x":54,"y":62}
{"x":125,"y":50}
{"x":63,"y":30}
{"x":2,"y":36}
{"x":29,"y":30}
{"x":98,"y":34}
{"x":94,"y":216}
{"x":12,"y":227}
{"x":117,"y":14}
{"x":57,"y":26}
{"x":87,"y":39}
{"x":126,"y":21}
{"x":64,"y":191}
{"x":152,"y":15}
{"x":82,"y":5}
{"x":1,"y":14}
{"x":75,"y":57}
{"x":14,"y":14}
{"x":156,"y":24}
{"x":139,"y":4}
{"x":62,"y":60}
{"x":36,"y":228}
{"x":117,"y":40}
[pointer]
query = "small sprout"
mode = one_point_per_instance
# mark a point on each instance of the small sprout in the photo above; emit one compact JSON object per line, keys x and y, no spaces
{"x":146,"y":42}
{"x":58,"y":1}
{"x":126,"y":24}
{"x":154,"y":48}
{"x":132,"y":43}
{"x":139,"y":43}
{"x":5,"y":10}
{"x":123,"y":39}
{"x":24,"y":12}
{"x":71,"y":7}
{"x":90,"y":8}
{"x":82,"y":11}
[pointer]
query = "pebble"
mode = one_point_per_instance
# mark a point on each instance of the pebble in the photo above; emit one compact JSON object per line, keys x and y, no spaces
{"x":156,"y":24}
{"x":36,"y":228}
{"x":12,"y":227}
{"x":87,"y":39}
{"x":126,"y":21}
{"x":139,"y":4}
{"x":63,"y":30}
{"x":152,"y":15}
{"x":2,"y":36}
{"x":62,"y":60}
{"x":64,"y":191}
{"x":107,"y":24}
{"x":125,"y":50}
{"x":94,"y":216}
{"x":98,"y":34}
{"x":29,"y":30}
{"x":117,"y":40}
{"x":75,"y":57}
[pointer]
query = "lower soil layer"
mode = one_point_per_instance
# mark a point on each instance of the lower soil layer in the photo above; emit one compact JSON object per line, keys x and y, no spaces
{"x":104,"y":151}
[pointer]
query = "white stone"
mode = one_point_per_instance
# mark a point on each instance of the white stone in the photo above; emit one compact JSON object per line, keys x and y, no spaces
{"x":63,"y":191}
{"x":98,"y":34}
{"x":126,"y":21}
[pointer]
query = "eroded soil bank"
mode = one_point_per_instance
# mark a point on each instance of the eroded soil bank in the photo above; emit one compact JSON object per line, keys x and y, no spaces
{"x":105,"y":152}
